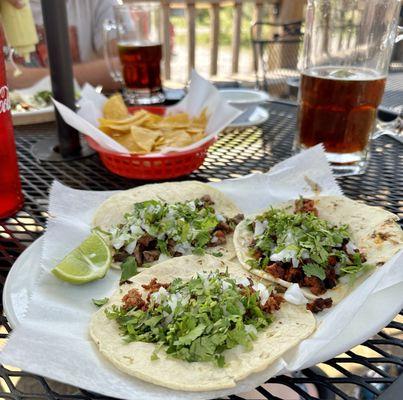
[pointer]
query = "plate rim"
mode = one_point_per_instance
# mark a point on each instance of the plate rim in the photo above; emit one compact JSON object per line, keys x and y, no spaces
{"x":18,"y":265}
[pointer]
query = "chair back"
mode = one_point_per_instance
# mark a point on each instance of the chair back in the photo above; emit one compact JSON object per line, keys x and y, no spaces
{"x":276,"y":48}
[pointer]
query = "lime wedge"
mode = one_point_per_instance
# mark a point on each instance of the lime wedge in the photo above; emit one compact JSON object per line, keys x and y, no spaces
{"x":88,"y":262}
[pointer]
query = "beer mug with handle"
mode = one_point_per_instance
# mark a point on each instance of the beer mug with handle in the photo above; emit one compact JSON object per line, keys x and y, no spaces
{"x":137,"y":32}
{"x":346,"y":54}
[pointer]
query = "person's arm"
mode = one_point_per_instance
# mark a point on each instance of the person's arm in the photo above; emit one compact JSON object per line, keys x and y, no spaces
{"x":94,"y":72}
{"x":26,"y":77}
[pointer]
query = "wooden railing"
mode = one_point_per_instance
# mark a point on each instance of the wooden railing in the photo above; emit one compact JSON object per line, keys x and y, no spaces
{"x":214,"y":6}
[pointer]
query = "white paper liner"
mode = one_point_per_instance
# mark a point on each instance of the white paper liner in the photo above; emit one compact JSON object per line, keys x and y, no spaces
{"x":52,"y":340}
{"x":201,"y":95}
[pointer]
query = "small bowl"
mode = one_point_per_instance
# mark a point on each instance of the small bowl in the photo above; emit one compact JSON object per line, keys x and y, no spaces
{"x":245,"y":100}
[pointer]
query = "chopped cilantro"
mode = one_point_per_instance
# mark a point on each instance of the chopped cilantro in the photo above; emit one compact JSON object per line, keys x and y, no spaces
{"x":217,"y":254}
{"x":188,"y":225}
{"x":196,"y":320}
{"x":129,"y":268}
{"x":314,"y":270}
{"x":100,"y":302}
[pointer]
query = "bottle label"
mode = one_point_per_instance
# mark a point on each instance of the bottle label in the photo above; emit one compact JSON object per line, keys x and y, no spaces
{"x":5,"y":104}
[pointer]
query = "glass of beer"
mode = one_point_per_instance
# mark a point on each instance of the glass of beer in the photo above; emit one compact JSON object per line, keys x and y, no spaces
{"x":139,"y":49}
{"x":346,"y":54}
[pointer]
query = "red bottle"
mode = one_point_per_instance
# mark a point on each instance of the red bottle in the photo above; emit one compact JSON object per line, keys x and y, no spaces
{"x":11,"y":198}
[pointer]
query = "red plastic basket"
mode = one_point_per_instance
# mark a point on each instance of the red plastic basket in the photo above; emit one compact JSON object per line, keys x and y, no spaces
{"x":152,"y":167}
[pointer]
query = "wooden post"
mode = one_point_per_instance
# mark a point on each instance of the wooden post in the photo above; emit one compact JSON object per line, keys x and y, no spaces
{"x":257,"y":16}
{"x":236,"y":35}
{"x":215,"y":31}
{"x":190,"y":17}
{"x":166,"y":38}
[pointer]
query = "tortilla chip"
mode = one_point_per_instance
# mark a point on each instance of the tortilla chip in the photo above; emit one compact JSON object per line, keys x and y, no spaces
{"x":138,"y":115}
{"x":120,"y":128}
{"x":130,"y":143}
{"x":115,"y":108}
{"x":144,"y":132}
{"x":144,"y":138}
{"x":180,"y":120}
{"x":194,"y":131}
{"x":177,"y":139}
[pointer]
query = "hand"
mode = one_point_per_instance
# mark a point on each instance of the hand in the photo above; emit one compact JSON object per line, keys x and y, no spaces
{"x":16,"y":3}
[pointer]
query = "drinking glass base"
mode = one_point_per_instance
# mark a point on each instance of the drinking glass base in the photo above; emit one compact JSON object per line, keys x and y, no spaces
{"x":143,"y":97}
{"x":348,"y":164}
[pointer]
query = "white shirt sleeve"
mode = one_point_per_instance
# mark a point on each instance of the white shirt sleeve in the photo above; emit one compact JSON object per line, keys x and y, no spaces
{"x":103,"y":10}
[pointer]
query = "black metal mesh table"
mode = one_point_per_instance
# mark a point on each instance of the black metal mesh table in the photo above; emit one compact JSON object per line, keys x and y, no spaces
{"x":370,"y":370}
{"x":393,"y":96}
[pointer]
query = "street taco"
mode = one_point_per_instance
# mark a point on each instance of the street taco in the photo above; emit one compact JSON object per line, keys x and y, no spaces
{"x":327,"y":245}
{"x":197,"y":324}
{"x":155,"y":222}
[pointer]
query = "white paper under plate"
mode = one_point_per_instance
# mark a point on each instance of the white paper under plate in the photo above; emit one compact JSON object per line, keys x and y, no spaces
{"x":52,"y":338}
{"x":259,"y":116}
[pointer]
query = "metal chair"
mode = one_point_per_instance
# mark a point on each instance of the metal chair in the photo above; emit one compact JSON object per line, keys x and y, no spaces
{"x":276,"y":47}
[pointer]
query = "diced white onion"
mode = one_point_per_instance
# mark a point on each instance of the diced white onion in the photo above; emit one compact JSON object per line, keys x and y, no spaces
{"x":184,"y":248}
{"x":219,"y":217}
{"x":163,"y":257}
{"x":294,"y":295}
{"x":131,"y":246}
{"x":350,"y":248}
{"x":294,"y":262}
{"x":119,"y":241}
{"x":225,"y":285}
{"x":283,"y":255}
{"x":159,"y":296}
{"x":136,"y":230}
{"x":263,"y":292}
{"x":173,"y":300}
{"x":251,"y":329}
{"x":289,"y":239}
{"x":260,"y":227}
{"x":242,"y":281}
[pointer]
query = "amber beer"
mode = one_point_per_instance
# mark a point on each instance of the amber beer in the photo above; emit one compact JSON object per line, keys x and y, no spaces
{"x":338,"y":107}
{"x":141,"y":66}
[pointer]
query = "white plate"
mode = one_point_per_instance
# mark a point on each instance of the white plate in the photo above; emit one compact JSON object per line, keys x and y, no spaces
{"x":259,"y":116}
{"x":45,"y":114}
{"x":20,"y":281}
